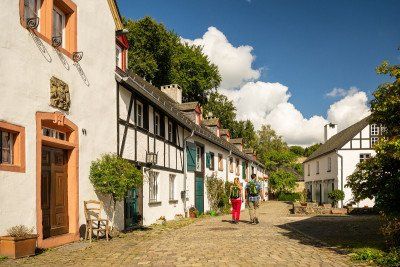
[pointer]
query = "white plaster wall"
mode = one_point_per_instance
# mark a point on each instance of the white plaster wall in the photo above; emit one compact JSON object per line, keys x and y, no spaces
{"x":25,"y":89}
{"x":350,"y":160}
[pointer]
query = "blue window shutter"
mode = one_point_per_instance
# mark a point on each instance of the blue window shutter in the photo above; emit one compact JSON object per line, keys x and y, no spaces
{"x":191,"y":156}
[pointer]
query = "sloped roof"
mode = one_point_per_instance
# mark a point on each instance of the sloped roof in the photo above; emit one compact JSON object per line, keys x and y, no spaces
{"x":236,"y":141}
{"x":187,"y":106}
{"x":248,"y":151}
{"x":162,"y":101}
{"x":224,"y":132}
{"x":211,"y":122}
{"x":340,"y":139}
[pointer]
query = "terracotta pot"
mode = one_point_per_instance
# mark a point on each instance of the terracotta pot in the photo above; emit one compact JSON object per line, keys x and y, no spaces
{"x":192,"y":215}
{"x":18,"y":247}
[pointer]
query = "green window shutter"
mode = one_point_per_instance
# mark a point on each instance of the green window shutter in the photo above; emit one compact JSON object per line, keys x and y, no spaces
{"x":208,"y":160}
{"x":191,"y":156}
{"x":243,"y":170}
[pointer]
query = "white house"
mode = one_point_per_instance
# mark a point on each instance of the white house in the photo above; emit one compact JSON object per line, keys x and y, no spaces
{"x":57,"y":84}
{"x":337,"y":158}
{"x":155,"y":122}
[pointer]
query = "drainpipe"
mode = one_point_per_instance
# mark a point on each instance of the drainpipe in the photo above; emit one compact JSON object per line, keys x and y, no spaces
{"x":185,"y":171}
{"x":227,"y":165}
{"x":341,"y":172}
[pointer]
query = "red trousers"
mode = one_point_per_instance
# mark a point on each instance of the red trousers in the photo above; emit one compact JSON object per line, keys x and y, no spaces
{"x":236,"y":206}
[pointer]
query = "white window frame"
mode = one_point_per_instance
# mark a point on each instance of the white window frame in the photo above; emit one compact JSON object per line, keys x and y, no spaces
{"x":198,"y":159}
{"x":10,"y":147}
{"x":374,"y":139}
{"x":172,"y":179}
{"x":153,"y":187}
{"x":170,"y":131}
{"x":157,"y":128}
{"x":374,"y":129}
{"x":139,"y":117}
{"x":329,"y":164}
{"x":220,"y":162}
{"x":63,"y":19}
{"x":364,"y":156}
{"x":118,"y":58}
{"x":317,"y":168}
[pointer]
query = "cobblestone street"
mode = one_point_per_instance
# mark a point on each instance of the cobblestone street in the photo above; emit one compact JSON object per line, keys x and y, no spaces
{"x":209,"y":241}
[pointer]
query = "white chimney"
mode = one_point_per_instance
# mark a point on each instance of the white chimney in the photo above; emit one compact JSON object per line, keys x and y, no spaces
{"x":329,"y":131}
{"x":174,"y":91}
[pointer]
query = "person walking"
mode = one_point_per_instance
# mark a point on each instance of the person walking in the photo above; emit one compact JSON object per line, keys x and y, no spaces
{"x":236,"y":200}
{"x":253,"y":189}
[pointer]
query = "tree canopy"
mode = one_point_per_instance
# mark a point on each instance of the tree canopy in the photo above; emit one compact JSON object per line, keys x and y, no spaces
{"x":158,"y":55}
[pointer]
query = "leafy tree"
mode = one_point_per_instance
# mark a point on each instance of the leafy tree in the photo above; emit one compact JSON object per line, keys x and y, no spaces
{"x":158,"y":55}
{"x":221,"y":107}
{"x":309,"y":150}
{"x":298,"y":150}
{"x":246,"y":130}
{"x":282,"y":181}
{"x":114,"y":176}
{"x":336,"y":196}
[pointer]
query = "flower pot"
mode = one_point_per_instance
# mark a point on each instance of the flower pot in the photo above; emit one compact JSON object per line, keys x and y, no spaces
{"x":192,"y":215}
{"x":18,"y":247}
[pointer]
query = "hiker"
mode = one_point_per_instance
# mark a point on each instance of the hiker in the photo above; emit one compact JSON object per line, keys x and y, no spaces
{"x":236,"y":200}
{"x":252,"y":191}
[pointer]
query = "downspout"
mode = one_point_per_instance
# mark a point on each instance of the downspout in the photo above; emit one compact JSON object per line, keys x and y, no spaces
{"x":185,"y":171}
{"x":227,"y":165}
{"x":341,"y":173}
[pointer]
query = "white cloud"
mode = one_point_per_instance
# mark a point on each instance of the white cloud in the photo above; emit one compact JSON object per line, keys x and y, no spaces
{"x":269,"y":103}
{"x":342,"y":92}
{"x":234,"y":63}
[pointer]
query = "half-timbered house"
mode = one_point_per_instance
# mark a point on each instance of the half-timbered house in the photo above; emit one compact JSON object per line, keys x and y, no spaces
{"x":337,"y":158}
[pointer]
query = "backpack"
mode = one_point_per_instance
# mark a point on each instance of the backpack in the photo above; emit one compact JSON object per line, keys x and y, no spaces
{"x":235,"y":191}
{"x":253,"y":191}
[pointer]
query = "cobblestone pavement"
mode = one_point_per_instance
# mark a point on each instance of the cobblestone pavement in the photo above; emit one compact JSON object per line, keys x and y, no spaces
{"x":209,"y":241}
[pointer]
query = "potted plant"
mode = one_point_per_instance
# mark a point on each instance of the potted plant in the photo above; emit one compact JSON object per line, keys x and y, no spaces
{"x":193,"y":212}
{"x":19,"y":242}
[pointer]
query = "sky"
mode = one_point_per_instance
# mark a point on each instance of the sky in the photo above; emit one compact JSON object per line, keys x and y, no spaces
{"x":295,"y":65}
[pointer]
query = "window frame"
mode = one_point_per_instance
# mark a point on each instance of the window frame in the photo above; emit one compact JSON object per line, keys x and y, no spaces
{"x":63,"y":24}
{"x":329,"y":167}
{"x":118,"y":56}
{"x":212,"y":161}
{"x":231,"y":164}
{"x":141,"y":116}
{"x":153,"y":188}
{"x":317,"y":167}
{"x":374,"y":129}
{"x":18,"y":154}
{"x":170,"y":131}
{"x":237,"y":162}
{"x":199,"y":165}
{"x":374,"y":140}
{"x":172,"y":179}
{"x":308,"y":169}
{"x":220,"y":162}
{"x":364,"y":156}
{"x":157,"y":125}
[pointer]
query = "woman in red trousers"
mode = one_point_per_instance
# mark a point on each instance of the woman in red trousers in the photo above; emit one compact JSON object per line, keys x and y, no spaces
{"x":236,"y":200}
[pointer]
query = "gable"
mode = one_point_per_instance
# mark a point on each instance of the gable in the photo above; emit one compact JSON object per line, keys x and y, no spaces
{"x":116,"y":15}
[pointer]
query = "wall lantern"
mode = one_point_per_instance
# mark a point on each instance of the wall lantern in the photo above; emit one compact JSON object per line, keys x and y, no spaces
{"x":151,"y":158}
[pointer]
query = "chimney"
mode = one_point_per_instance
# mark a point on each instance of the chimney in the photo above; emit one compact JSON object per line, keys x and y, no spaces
{"x":224,"y":133}
{"x":174,"y":91}
{"x":237,"y":142}
{"x":329,"y":131}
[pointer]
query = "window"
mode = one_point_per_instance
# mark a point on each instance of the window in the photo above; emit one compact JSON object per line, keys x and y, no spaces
{"x":308,"y":169}
{"x":230,"y":164}
{"x":329,"y":164}
{"x":153,"y":186}
{"x":58,"y":25}
{"x":317,"y":168}
{"x":12,"y":147}
{"x":54,"y":133}
{"x":170,"y":131}
{"x":212,"y":161}
{"x":364,"y":156}
{"x":374,"y":129}
{"x":220,"y":162}
{"x":374,"y":140}
{"x":172,"y":187}
{"x":139,"y":114}
{"x":118,"y":57}
{"x":198,"y":159}
{"x":157,"y":124}
{"x":237,"y":167}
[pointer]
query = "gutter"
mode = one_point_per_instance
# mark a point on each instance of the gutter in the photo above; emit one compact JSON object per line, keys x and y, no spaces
{"x":341,"y":172}
{"x":185,"y":171}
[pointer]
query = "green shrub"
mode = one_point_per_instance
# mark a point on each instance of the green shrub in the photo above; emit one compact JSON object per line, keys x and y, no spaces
{"x":336,"y":195}
{"x":289,"y":197}
{"x":367,"y":254}
{"x":390,"y":259}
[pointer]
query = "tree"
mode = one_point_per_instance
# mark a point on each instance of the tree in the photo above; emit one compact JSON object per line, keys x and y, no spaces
{"x":158,"y":55}
{"x":282,"y":181}
{"x":221,"y":107}
{"x":336,"y":196}
{"x":309,"y":150}
{"x":246,"y":130}
{"x":114,"y":176}
{"x":298,"y":150}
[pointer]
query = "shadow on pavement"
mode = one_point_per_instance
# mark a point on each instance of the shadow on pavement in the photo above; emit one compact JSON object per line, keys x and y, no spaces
{"x":340,"y":232}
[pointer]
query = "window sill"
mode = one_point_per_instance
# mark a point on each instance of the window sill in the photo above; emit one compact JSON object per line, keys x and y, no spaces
{"x":173,"y":201}
{"x":155,"y":203}
{"x":12,"y":168}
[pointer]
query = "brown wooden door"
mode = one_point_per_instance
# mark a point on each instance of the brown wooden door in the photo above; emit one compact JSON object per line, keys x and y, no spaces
{"x":54,"y":191}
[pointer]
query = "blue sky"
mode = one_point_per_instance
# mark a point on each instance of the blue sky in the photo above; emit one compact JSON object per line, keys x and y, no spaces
{"x":309,"y":46}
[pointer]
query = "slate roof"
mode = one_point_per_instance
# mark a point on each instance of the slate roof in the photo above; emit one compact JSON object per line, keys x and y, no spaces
{"x":211,"y":122}
{"x":340,"y":139}
{"x":224,"y":132}
{"x":236,"y":141}
{"x":187,"y":106}
{"x":162,"y":101}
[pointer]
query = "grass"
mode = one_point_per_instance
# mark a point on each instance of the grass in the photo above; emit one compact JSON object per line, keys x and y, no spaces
{"x":2,"y":258}
{"x":377,"y":256}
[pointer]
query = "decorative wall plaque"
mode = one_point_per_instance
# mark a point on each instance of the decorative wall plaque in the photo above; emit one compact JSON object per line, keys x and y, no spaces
{"x":59,"y":94}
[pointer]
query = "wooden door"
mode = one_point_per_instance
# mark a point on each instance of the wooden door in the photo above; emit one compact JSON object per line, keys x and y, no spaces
{"x":54,"y":192}
{"x":131,"y":208}
{"x":199,"y":193}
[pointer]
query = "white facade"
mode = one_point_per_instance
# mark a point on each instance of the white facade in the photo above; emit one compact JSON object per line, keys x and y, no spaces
{"x":26,"y":67}
{"x":330,"y":171}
